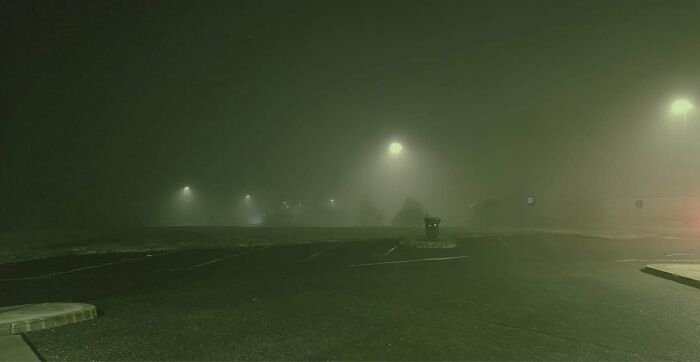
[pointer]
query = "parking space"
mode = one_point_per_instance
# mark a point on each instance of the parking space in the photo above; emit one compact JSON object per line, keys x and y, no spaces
{"x":507,"y":297}
{"x":62,"y":264}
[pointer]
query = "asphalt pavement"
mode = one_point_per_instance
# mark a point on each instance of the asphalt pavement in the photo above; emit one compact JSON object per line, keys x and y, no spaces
{"x":509,"y":296}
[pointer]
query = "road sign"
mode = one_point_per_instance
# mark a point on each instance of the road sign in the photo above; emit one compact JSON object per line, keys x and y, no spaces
{"x":531,"y":200}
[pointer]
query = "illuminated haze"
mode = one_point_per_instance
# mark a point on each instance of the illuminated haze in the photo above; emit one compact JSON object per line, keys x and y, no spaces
{"x":109,"y":109}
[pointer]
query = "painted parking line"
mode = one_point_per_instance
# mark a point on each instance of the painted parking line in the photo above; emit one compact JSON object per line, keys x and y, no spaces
{"x":55,"y":274}
{"x":655,"y":260}
{"x":391,"y":250}
{"x":217,"y":260}
{"x":316,"y":255}
{"x":231,"y":256}
{"x":410,"y":261}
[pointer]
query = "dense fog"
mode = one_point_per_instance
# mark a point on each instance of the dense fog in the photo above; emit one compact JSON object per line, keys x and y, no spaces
{"x":284,"y":113}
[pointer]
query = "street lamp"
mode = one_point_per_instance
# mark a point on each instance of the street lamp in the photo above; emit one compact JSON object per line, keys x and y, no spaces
{"x":395,"y":148}
{"x":678,"y":107}
{"x":681,"y":106}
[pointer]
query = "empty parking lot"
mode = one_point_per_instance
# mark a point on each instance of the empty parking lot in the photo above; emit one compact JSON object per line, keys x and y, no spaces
{"x":501,"y":296}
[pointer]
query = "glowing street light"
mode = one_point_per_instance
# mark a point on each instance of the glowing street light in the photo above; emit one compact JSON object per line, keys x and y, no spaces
{"x":395,"y":148}
{"x":681,"y":106}
{"x":247,"y":196}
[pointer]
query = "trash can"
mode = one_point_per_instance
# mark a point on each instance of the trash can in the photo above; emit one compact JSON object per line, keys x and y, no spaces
{"x":432,"y":227}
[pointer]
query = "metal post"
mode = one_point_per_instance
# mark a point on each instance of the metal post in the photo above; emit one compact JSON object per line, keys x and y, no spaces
{"x":685,"y":166}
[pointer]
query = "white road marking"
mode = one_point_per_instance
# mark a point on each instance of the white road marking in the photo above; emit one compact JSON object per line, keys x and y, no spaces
{"x":681,"y":254}
{"x":51,"y":275}
{"x":647,"y":260}
{"x":213,"y":261}
{"x":390,"y":250}
{"x":312,"y":256}
{"x":230,"y":256}
{"x":411,"y":261}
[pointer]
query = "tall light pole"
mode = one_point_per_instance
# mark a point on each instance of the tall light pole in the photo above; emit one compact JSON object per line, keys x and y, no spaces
{"x":682,"y":107}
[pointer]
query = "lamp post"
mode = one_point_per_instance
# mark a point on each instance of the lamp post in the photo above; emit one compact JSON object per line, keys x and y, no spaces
{"x":682,"y":107}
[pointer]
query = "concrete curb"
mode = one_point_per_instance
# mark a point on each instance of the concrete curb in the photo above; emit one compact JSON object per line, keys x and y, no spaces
{"x":688,"y":274}
{"x":13,"y":348}
{"x":33,"y":317}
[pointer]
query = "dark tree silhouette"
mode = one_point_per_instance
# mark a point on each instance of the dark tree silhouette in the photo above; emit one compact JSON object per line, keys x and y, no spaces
{"x":411,"y":214}
{"x":368,"y":214}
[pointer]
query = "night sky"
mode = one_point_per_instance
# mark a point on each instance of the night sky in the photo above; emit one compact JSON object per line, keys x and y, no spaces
{"x":109,"y":108}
